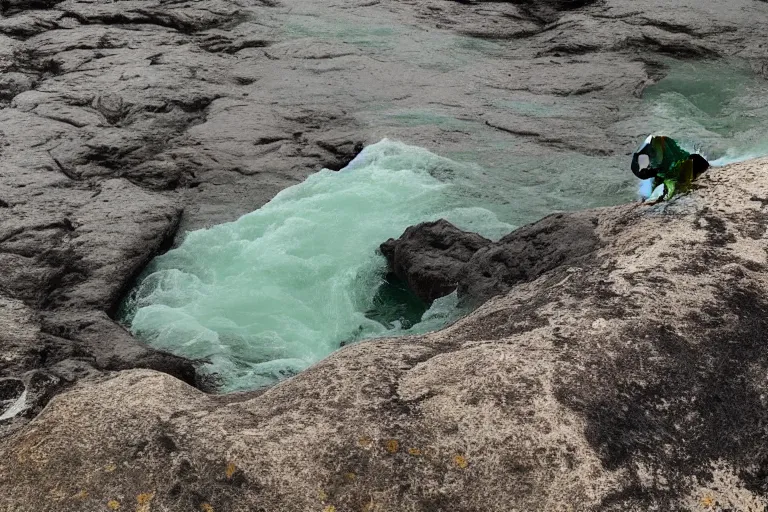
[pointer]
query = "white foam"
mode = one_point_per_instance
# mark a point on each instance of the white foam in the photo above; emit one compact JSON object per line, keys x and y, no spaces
{"x":280,"y":288}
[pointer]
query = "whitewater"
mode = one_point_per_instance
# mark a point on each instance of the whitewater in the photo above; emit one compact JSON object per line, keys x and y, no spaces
{"x":265,"y":296}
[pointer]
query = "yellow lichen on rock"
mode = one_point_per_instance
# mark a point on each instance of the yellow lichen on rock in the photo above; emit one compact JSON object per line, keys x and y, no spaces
{"x":460,"y":461}
{"x":206,"y":507}
{"x":329,"y":508}
{"x":350,"y":477}
{"x":231,"y":468}
{"x":110,"y":468}
{"x":392,"y":446}
{"x":113,"y":505}
{"x":144,"y":500}
{"x":725,"y":490}
{"x":365,"y":442}
{"x":414,"y":451}
{"x":81,"y":495}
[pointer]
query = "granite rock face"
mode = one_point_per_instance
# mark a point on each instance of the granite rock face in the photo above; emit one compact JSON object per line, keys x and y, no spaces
{"x":629,"y":379}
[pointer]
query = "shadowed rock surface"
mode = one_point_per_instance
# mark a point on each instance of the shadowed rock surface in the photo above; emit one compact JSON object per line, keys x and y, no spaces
{"x":633,"y":379}
{"x":431,"y":257}
{"x":525,"y":254}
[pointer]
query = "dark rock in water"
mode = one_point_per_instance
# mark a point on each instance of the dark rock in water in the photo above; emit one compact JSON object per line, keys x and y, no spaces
{"x":434,"y":258}
{"x":431,"y":257}
{"x":526,"y":253}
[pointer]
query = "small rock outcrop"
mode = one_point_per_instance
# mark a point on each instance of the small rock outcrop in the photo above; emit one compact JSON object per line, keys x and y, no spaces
{"x":436,"y":258}
{"x":431,"y":257}
{"x":525,"y":254}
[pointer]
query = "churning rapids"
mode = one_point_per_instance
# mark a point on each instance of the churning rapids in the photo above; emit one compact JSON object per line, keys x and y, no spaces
{"x":280,"y":288}
{"x":264,"y":297}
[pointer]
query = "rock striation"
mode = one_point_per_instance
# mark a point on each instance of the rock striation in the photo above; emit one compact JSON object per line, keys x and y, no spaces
{"x":630,"y":377}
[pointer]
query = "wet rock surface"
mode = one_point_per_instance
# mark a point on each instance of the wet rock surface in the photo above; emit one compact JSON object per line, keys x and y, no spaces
{"x":431,"y":257}
{"x":632,"y":379}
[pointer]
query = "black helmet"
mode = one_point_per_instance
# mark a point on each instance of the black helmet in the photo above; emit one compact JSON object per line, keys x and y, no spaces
{"x":646,"y":160}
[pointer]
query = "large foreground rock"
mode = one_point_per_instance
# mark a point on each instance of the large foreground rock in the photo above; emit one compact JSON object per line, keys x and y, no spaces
{"x":633,"y":379}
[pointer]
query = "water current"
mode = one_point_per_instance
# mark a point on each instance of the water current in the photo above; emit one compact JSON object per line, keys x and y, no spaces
{"x":267,"y":295}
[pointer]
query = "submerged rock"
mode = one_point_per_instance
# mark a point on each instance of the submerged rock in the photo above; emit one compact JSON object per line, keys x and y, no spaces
{"x":629,"y":378}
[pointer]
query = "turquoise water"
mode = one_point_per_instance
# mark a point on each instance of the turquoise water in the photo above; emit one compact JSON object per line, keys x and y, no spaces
{"x":284,"y":286}
{"x":266,"y":296}
{"x":719,"y":108}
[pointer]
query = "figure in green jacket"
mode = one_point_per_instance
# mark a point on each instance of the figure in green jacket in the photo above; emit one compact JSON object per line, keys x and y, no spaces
{"x":672,"y":168}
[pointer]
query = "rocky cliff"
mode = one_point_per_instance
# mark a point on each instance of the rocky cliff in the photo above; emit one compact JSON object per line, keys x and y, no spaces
{"x":124,"y":124}
{"x":625,"y":371}
{"x":631,"y":377}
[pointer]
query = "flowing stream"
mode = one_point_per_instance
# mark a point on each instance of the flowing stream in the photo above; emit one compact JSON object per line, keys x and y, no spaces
{"x":267,"y":295}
